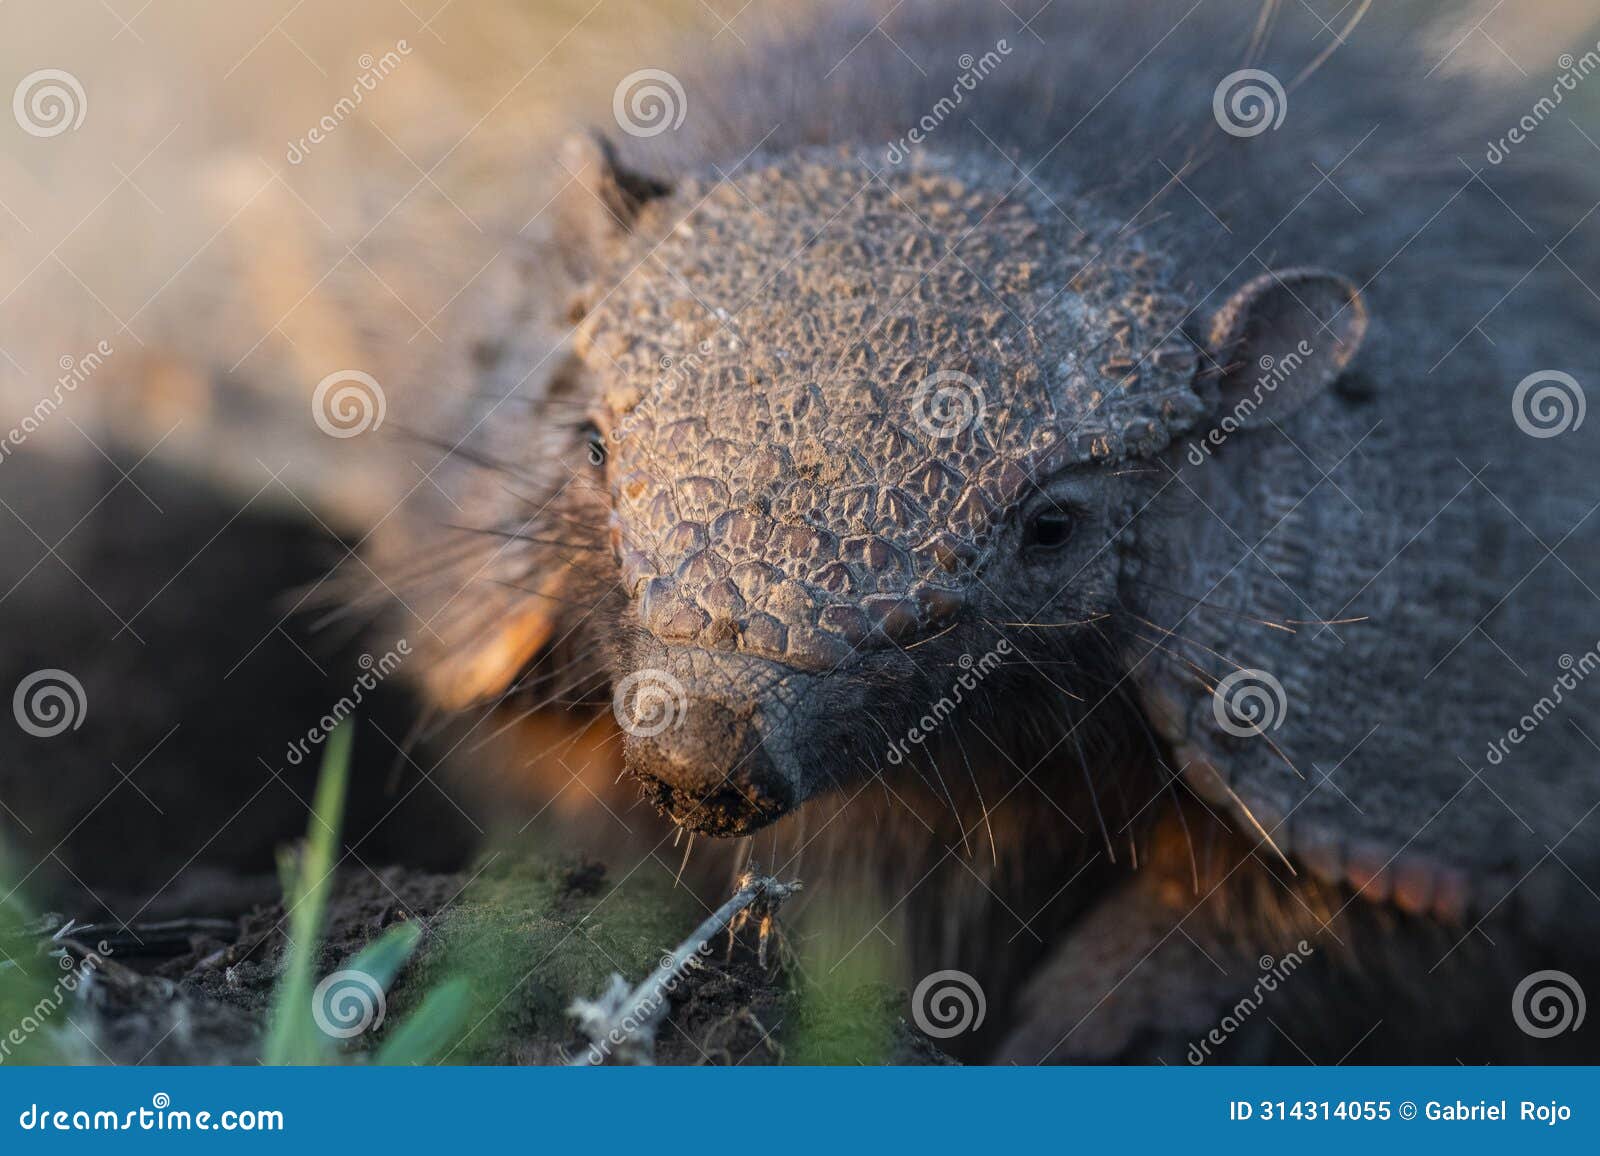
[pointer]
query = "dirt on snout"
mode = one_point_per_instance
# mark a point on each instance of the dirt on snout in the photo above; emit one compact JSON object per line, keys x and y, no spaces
{"x":526,"y":937}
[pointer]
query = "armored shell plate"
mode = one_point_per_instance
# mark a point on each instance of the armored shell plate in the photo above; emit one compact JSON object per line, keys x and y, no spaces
{"x":825,"y":387}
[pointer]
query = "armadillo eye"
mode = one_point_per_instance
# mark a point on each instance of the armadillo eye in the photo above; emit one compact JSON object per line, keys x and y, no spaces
{"x":594,"y":444}
{"x":1049,"y":529}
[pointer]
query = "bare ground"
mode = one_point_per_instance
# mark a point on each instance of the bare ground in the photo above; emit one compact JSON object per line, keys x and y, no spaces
{"x":528,"y":938}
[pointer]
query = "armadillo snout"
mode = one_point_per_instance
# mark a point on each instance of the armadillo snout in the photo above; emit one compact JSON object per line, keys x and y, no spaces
{"x":710,"y":770}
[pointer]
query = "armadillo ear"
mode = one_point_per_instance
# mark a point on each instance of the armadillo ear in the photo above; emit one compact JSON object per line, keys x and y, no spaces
{"x":1283,"y":338}
{"x":601,"y":200}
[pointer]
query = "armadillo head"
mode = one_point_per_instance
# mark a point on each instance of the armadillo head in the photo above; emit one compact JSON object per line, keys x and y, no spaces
{"x":870,"y":440}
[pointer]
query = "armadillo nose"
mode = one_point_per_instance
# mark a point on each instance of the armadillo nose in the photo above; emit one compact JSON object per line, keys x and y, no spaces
{"x":710,"y":770}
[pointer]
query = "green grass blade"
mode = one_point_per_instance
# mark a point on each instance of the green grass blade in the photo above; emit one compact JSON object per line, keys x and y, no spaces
{"x":293,"y":1036}
{"x":436,"y":1022}
{"x":26,"y":979}
{"x":384,"y":957}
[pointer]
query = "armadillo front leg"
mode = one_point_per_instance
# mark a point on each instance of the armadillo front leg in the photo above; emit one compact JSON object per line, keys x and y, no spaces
{"x":1141,"y":980}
